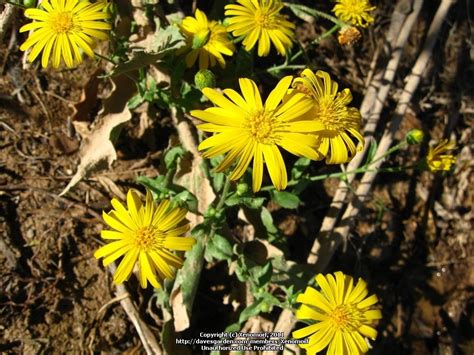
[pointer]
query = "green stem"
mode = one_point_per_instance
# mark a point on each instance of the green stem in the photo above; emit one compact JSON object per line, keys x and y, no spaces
{"x":393,"y":169}
{"x":104,"y":58}
{"x":225,"y":192}
{"x":15,"y":4}
{"x":327,"y":33}
{"x":316,"y":13}
{"x":399,"y":146}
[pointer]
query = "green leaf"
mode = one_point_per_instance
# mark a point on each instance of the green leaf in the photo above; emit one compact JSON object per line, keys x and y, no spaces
{"x":371,"y":152}
{"x":299,"y":168}
{"x":187,"y":199}
{"x":172,"y":155}
{"x":303,"y":12}
{"x":135,"y":101}
{"x":262,"y":274}
{"x":251,"y":202}
{"x":250,"y":311}
{"x":267,"y":221}
{"x":285,"y":199}
{"x":165,"y":41}
{"x":156,"y":185}
{"x":218,"y":181}
{"x":218,"y":248}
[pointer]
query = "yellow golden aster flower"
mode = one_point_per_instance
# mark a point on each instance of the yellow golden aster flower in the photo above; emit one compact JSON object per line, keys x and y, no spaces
{"x":437,"y":160}
{"x":147,"y":234}
{"x":339,"y":123}
{"x":355,"y":12}
{"x":65,"y":29}
{"x":342,"y":313}
{"x":246,"y":129}
{"x":206,"y":40}
{"x":260,"y":20}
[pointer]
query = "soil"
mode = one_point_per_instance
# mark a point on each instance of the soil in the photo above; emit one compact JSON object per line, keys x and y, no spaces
{"x":412,"y":242}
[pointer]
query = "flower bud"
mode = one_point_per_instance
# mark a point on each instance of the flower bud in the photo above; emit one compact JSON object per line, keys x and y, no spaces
{"x":242,"y":188}
{"x":415,"y":136}
{"x":205,"y":79}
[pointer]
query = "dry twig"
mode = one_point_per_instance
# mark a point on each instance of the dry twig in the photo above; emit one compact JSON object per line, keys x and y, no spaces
{"x":371,"y":110}
{"x":6,"y":17}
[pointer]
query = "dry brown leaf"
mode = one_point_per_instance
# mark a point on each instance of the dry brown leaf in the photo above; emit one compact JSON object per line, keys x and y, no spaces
{"x":89,"y":99}
{"x":97,"y":151}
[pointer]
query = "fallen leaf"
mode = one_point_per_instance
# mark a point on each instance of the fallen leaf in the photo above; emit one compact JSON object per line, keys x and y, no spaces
{"x":97,"y":150}
{"x":89,"y":100}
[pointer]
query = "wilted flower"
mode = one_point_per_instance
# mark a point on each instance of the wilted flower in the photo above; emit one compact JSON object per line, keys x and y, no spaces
{"x":437,"y":160}
{"x":145,"y":233}
{"x":260,"y":20}
{"x":339,"y":124}
{"x":342,"y":315}
{"x":355,"y":12}
{"x":65,"y":29}
{"x":348,"y":36}
{"x":246,"y":129}
{"x":206,"y":40}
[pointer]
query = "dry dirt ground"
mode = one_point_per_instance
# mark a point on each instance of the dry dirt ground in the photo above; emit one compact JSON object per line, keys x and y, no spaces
{"x":413,"y":239}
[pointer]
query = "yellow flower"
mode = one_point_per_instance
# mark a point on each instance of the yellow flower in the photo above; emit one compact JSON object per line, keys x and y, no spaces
{"x":260,"y":20}
{"x":437,"y":160}
{"x":331,"y":112}
{"x":147,"y":234}
{"x":206,"y":39}
{"x":342,"y":313}
{"x":65,"y":29}
{"x":246,"y":129}
{"x":355,"y":12}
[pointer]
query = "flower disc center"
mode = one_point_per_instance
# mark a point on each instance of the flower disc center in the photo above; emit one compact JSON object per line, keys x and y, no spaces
{"x":346,"y":316}
{"x":261,"y":127}
{"x":145,"y":238}
{"x":62,"y":22}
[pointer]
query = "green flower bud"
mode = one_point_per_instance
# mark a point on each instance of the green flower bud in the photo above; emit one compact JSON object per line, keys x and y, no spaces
{"x":201,"y":38}
{"x":205,"y":79}
{"x":242,"y":188}
{"x":415,"y":136}
{"x":29,"y":3}
{"x":210,"y":212}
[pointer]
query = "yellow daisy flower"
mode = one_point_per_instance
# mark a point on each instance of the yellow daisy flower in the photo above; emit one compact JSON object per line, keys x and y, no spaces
{"x":260,"y":20}
{"x":355,"y":12}
{"x":437,"y":160}
{"x":64,"y":28}
{"x":147,"y":234}
{"x":248,"y":129}
{"x":336,"y":119}
{"x":207,"y":40}
{"x":342,"y":313}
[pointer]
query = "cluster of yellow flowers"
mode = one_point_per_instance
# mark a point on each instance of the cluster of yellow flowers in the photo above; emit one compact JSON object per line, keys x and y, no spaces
{"x":307,"y":116}
{"x":66,"y":28}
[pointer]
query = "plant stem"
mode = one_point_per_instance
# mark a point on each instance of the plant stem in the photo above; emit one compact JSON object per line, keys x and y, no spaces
{"x":15,"y":4}
{"x":104,"y":58}
{"x":327,"y":33}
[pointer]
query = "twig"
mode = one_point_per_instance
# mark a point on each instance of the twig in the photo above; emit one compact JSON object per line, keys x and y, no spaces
{"x":412,"y":83}
{"x":397,"y":37}
{"x":371,"y":110}
{"x":6,"y":17}
{"x":147,"y":337}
